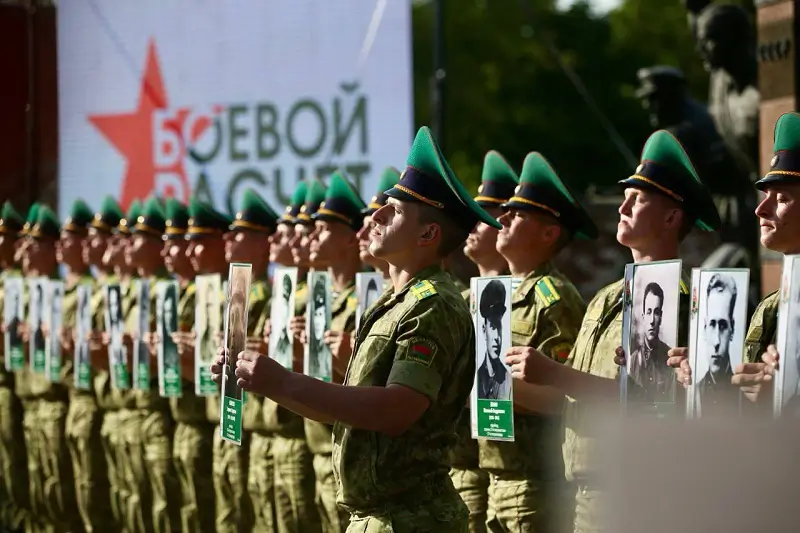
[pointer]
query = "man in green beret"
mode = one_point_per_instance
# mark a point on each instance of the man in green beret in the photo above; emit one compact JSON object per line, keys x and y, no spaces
{"x":664,"y":199}
{"x":240,"y":489}
{"x":389,"y":178}
{"x":498,"y":181}
{"x":147,"y":433}
{"x":175,"y":243}
{"x":13,"y":470}
{"x":540,"y":219}
{"x":194,"y":433}
{"x":22,"y":243}
{"x":98,"y":241}
{"x":409,"y":378}
{"x":334,"y":246}
{"x":82,"y":428}
{"x":46,"y":408}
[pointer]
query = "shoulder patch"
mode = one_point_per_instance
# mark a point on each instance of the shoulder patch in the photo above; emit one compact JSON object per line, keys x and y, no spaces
{"x":560,"y":352}
{"x":684,"y":287}
{"x":352,"y":300}
{"x":547,"y":292}
{"x":423,"y":289}
{"x":257,"y":292}
{"x":420,"y":350}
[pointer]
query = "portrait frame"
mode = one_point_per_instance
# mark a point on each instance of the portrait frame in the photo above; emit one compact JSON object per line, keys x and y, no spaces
{"x":169,"y":363}
{"x":141,"y":347}
{"x":37,"y":323}
{"x":54,"y":306}
{"x":115,"y":327}
{"x":365,"y":281}
{"x":83,"y":326}
{"x":13,"y":316}
{"x":282,"y":307}
{"x":786,"y":388}
{"x":208,"y":325}
{"x":317,"y":356}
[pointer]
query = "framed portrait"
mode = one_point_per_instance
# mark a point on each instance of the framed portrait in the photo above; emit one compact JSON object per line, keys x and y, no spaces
{"x":115,"y":327}
{"x":141,"y":348}
{"x":54,"y":299}
{"x":235,"y":340}
{"x":369,"y":287}
{"x":169,"y":364}
{"x":492,"y":402}
{"x":717,"y":331}
{"x":786,"y":399}
{"x":281,"y":339}
{"x":651,"y":299}
{"x":318,"y":360}
{"x":207,"y":324}
{"x":13,"y":316}
{"x":83,"y":326}
{"x":37,"y":323}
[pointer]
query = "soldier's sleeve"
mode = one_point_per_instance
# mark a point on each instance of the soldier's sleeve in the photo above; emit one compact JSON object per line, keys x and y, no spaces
{"x":186,"y":309}
{"x":258,"y":303}
{"x":425,"y":350}
{"x":559,"y":320}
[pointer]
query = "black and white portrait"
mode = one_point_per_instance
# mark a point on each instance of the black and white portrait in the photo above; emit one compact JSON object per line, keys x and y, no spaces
{"x":13,"y":312}
{"x":83,"y":325}
{"x":168,"y":324}
{"x":281,"y":311}
{"x":115,"y":326}
{"x":53,"y":325}
{"x":721,"y":323}
{"x":143,"y":325}
{"x":369,"y":287}
{"x":236,"y":334}
{"x":493,"y":338}
{"x":654,"y":329}
{"x":318,"y":361}
{"x":37,"y":322}
{"x":787,"y":393}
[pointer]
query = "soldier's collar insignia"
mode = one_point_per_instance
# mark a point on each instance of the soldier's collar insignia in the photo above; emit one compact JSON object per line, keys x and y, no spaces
{"x":546,"y":291}
{"x":423,"y":289}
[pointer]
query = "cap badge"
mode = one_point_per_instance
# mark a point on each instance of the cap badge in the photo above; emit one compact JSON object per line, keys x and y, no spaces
{"x":640,"y":168}
{"x":774,"y":161}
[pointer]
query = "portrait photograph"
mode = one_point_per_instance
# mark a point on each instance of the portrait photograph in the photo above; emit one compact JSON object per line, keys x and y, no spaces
{"x":208,"y":313}
{"x":13,"y":313}
{"x":787,"y":382}
{"x":115,"y":327}
{"x":281,"y":340}
{"x":318,"y":360}
{"x":236,"y":325}
{"x":37,"y":323}
{"x":141,"y":348}
{"x":83,"y":326}
{"x":719,"y":324}
{"x":652,"y":308}
{"x":492,"y":315}
{"x":169,"y":365}
{"x":55,"y":302}
{"x":369,"y":287}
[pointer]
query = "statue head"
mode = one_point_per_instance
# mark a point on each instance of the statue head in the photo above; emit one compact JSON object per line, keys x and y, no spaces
{"x":724,"y":36}
{"x":662,"y":91}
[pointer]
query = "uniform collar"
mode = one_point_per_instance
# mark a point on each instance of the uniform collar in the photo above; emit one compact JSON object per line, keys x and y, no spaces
{"x":529,"y":281}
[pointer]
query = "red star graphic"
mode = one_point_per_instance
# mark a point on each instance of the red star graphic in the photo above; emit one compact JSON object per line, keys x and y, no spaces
{"x":132,"y":135}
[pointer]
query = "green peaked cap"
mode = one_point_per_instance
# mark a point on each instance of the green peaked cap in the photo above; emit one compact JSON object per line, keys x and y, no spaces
{"x":342,"y":203}
{"x":295,"y":204}
{"x":315,"y":195}
{"x":10,"y":220}
{"x":46,"y":224}
{"x":389,"y":178}
{"x":152,"y":219}
{"x":126,"y":223}
{"x":540,"y":189}
{"x":205,"y":221}
{"x":107,"y":219}
{"x":666,"y":169}
{"x":428,"y":179}
{"x":498,"y":181}
{"x":33,"y":216}
{"x":256,"y":214}
{"x":79,"y":218}
{"x":785,"y":164}
{"x":177,"y":219}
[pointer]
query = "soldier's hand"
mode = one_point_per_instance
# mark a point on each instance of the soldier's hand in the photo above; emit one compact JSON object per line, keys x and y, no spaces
{"x":619,"y":356}
{"x":24,"y":332}
{"x":341,"y":345}
{"x":529,"y":364}
{"x":752,"y":377}
{"x":95,"y":339}
{"x":66,"y":339}
{"x":217,"y":365}
{"x":105,"y":338}
{"x":678,"y":358}
{"x":44,"y":329}
{"x":258,"y":373}
{"x":266,"y":332}
{"x":254,"y":344}
{"x":297,"y":325}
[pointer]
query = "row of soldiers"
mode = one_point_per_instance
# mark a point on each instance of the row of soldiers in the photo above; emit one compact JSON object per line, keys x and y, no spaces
{"x":362,"y":458}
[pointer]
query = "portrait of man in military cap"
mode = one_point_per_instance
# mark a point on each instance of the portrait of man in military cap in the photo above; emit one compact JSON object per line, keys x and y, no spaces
{"x":167,"y":313}
{"x":493,"y":377}
{"x":13,"y":313}
{"x":319,"y":355}
{"x":237,"y":334}
{"x":280,"y":313}
{"x":654,"y":329}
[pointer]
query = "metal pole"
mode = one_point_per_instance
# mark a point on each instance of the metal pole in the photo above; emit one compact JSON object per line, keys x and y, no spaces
{"x":438,"y":80}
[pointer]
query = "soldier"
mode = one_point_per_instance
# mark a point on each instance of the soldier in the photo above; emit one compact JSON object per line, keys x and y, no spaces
{"x":280,"y":250}
{"x":334,"y":246}
{"x":83,"y":421}
{"x":14,"y":483}
{"x":101,"y":229}
{"x":664,"y":199}
{"x":175,"y":243}
{"x":249,"y":238}
{"x":194,"y":435}
{"x":410,"y":377}
{"x":498,"y":181}
{"x":49,"y":469}
{"x":388,"y":179}
{"x":22,"y":244}
{"x":148,"y":436}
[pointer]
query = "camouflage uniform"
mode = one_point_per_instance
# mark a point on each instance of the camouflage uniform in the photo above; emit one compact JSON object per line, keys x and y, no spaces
{"x":13,"y":459}
{"x":593,"y":352}
{"x":295,"y":511}
{"x":471,"y":482}
{"x":192,"y":448}
{"x":319,"y":436}
{"x":763,"y":328}
{"x":83,"y":438}
{"x":526,"y":488}
{"x":402,"y":483}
